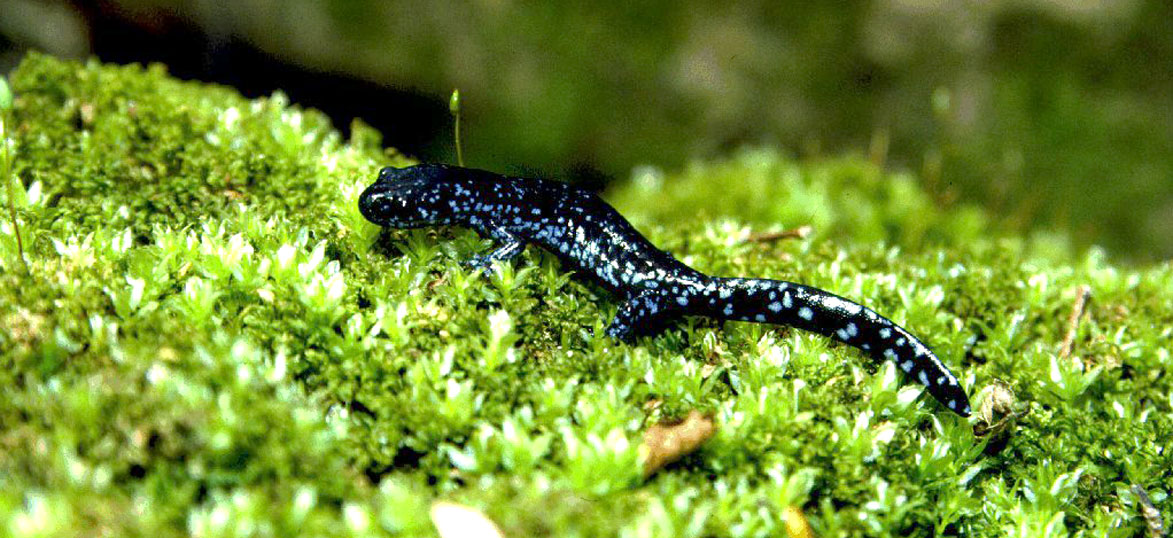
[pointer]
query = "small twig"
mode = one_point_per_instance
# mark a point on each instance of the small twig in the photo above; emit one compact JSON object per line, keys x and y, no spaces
{"x":1149,"y":512}
{"x":802,"y":232}
{"x":1082,"y":294}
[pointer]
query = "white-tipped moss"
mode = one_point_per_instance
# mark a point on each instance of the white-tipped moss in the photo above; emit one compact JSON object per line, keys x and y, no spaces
{"x":210,"y":341}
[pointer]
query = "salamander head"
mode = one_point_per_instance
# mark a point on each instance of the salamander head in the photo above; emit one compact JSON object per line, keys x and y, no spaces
{"x":411,"y":197}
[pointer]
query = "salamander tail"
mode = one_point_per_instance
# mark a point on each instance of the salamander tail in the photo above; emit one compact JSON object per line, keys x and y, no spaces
{"x":811,"y":309}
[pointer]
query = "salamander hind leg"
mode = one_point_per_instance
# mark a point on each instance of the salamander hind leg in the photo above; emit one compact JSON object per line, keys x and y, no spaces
{"x":642,"y":315}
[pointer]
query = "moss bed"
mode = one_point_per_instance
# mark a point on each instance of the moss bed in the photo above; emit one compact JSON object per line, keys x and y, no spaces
{"x":206,"y":338}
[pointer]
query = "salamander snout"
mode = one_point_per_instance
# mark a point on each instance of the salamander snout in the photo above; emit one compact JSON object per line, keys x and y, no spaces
{"x":371,"y":202}
{"x":404,"y":198}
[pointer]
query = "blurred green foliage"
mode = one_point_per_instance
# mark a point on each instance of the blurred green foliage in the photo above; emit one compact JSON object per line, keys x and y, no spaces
{"x":1049,"y":114}
{"x":213,"y":342}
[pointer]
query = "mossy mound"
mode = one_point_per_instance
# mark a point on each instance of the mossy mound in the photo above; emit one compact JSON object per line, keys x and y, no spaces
{"x":210,"y":340}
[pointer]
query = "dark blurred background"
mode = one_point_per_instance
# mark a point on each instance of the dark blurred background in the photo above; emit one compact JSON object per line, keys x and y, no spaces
{"x":1050,"y":113}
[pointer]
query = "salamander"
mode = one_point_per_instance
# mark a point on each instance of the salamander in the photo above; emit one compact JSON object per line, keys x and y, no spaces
{"x":593,"y":239}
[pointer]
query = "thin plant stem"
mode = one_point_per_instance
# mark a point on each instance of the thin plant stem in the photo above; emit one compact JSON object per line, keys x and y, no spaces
{"x":454,"y":108}
{"x":7,"y":173}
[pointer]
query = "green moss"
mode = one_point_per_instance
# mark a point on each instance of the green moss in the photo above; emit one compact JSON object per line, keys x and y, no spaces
{"x":212,"y":341}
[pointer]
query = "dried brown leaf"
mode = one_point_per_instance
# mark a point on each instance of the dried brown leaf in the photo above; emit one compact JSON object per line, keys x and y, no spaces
{"x":997,"y":415}
{"x":665,"y":443}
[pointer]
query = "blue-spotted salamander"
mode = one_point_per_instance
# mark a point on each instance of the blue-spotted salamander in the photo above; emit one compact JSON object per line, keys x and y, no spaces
{"x":590,"y":237}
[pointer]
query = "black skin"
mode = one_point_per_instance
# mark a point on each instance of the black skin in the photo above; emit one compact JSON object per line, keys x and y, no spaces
{"x":594,"y":240}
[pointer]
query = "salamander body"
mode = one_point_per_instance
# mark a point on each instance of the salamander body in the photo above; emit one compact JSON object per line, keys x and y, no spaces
{"x":589,"y":236}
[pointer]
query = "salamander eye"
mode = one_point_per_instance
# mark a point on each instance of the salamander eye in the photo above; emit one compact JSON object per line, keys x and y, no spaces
{"x":391,"y":173}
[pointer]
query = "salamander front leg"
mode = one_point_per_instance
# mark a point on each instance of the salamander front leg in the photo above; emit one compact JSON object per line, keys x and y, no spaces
{"x":641,"y":315}
{"x":510,"y":246}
